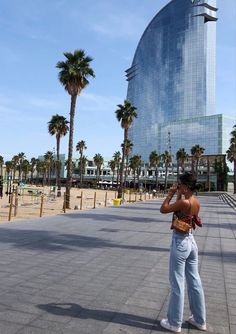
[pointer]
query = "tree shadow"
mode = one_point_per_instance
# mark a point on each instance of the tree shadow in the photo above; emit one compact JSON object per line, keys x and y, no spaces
{"x":76,"y":311}
{"x":52,"y":241}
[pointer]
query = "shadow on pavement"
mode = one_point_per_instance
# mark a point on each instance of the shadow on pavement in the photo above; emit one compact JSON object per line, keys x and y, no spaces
{"x":77,"y":311}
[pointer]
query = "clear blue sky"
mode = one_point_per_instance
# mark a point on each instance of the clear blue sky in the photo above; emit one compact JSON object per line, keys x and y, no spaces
{"x":35,"y":33}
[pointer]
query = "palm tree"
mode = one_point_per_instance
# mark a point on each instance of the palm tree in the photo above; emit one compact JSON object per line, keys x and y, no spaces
{"x":167,"y":159}
{"x":1,"y":164}
{"x":181,"y":157}
{"x":81,"y":146}
{"x":117,"y":159}
{"x":33,"y":164}
{"x":42,"y":168}
{"x":9,"y":168}
{"x":196,"y":152}
{"x":21,"y":158}
{"x":154,"y":159}
{"x":98,"y":161}
{"x":124,"y":114}
{"x":112,"y":165}
{"x":135,"y":165}
{"x":15,"y":163}
{"x":127,"y":147}
{"x":83,"y":163}
{"x":49,"y":160}
{"x":231,"y":153}
{"x":25,"y":168}
{"x":73,"y":75}
{"x":58,"y":126}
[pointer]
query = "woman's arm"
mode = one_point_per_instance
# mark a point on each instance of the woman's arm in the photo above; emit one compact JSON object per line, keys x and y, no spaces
{"x":180,"y":204}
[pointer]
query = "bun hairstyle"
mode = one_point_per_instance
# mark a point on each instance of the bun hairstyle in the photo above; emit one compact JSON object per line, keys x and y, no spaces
{"x":189,"y":180}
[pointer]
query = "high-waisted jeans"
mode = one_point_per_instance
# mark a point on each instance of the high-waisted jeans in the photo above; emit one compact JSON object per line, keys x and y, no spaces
{"x":184,"y":263}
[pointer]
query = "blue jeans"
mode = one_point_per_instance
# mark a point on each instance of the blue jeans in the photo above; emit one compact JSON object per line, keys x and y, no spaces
{"x":184,"y":263}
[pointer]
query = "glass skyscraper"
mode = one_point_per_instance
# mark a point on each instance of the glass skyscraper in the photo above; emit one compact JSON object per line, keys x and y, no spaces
{"x":172,"y":82}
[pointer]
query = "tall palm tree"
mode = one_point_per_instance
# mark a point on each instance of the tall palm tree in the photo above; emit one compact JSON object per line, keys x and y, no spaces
{"x":125,"y":114}
{"x":154,"y":159}
{"x":196,"y":151}
{"x":73,"y":75}
{"x":127,"y":147}
{"x":1,"y":164}
{"x":98,"y":160}
{"x":112,"y":165}
{"x":117,"y":159}
{"x":231,"y":153}
{"x":81,"y":146}
{"x":167,"y":159}
{"x":58,"y":126}
{"x":181,"y":157}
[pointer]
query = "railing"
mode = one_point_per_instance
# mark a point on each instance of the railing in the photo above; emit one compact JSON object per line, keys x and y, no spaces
{"x":228,"y":199}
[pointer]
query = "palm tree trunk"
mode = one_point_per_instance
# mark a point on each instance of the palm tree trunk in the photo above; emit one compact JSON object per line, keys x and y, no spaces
{"x":166,"y":177}
{"x":120,"y":189}
{"x":156,"y":178}
{"x":58,"y":169}
{"x":81,"y":169}
{"x":70,"y":150}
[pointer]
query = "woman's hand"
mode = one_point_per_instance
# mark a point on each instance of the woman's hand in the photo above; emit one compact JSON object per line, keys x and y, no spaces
{"x":172,"y":190}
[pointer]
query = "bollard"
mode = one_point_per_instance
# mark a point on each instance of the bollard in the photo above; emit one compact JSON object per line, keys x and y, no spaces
{"x":81,"y":201}
{"x":94,"y":202}
{"x":106,"y":199}
{"x":41,"y":206}
{"x":11,"y":205}
{"x":140,"y":198}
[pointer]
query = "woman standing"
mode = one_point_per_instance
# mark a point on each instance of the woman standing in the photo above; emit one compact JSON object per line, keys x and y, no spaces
{"x":184,"y":258}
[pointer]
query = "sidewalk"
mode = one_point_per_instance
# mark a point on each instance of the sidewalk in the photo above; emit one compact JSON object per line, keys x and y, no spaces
{"x":105,"y":271}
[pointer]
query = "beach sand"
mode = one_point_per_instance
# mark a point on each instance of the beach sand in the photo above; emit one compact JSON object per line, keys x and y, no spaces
{"x":30,"y":202}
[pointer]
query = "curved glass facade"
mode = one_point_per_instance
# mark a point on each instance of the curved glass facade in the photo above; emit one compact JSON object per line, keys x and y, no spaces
{"x":172,"y":81}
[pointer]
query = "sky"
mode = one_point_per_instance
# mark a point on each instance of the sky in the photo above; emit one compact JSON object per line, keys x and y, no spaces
{"x":34,"y":34}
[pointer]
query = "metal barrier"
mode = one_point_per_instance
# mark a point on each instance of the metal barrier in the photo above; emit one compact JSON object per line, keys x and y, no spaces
{"x":228,"y":199}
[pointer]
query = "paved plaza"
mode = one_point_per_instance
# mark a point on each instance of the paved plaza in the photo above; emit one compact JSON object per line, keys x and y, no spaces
{"x":105,"y":271}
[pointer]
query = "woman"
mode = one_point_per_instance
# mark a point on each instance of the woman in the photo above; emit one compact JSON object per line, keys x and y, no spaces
{"x":184,"y":258}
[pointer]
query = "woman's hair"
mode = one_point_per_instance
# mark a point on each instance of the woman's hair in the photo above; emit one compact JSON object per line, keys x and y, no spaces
{"x":189,"y":180}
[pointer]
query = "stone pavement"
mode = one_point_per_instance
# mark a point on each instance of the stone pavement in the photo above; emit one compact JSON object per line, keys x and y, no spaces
{"x":105,"y":271}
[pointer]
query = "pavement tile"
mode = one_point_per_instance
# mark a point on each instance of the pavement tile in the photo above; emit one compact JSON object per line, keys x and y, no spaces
{"x":106,"y":271}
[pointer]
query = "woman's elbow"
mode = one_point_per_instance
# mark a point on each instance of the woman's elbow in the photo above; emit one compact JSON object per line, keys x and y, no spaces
{"x":163,"y":210}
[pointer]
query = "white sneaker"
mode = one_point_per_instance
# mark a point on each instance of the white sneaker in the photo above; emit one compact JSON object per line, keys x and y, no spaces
{"x":165,"y":324}
{"x":192,"y":321}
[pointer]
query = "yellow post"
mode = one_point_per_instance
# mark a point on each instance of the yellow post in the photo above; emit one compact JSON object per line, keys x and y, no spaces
{"x":11,"y":205}
{"x":16,"y":202}
{"x":94,"y":202}
{"x":106,"y":199}
{"x":81,"y":201}
{"x":41,"y":206}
